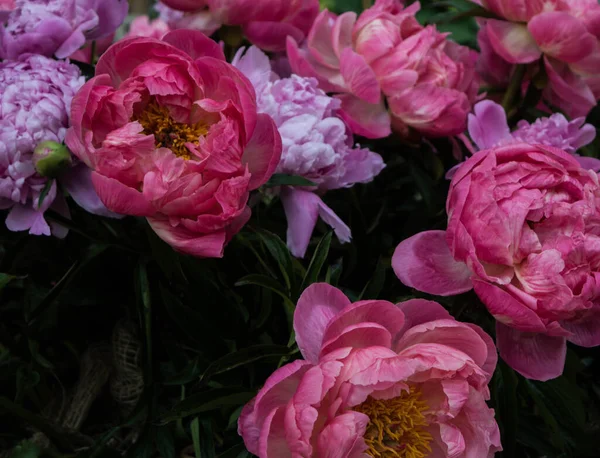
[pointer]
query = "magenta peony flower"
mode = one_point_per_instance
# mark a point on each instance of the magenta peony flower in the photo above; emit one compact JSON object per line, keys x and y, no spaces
{"x":35,"y":98}
{"x":565,"y":33}
{"x":316,"y":145}
{"x":523,"y":231}
{"x":428,"y":82}
{"x":200,"y":19}
{"x":142,"y":26}
{"x":378,"y":379}
{"x":172,"y":133}
{"x":266,"y":23}
{"x":488,"y":127}
{"x":58,"y":27}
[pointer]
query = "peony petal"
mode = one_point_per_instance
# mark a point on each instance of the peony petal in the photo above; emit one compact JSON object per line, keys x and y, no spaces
{"x":488,"y":127}
{"x":359,"y":77}
{"x":194,"y":43}
{"x":342,"y":231}
{"x":121,"y":198}
{"x":22,"y":218}
{"x":301,"y":211}
{"x":590,"y":163}
{"x":366,"y":119}
{"x":263,"y":151}
{"x":424,"y":262}
{"x":534,"y":356}
{"x":586,"y":331}
{"x":317,"y":306}
{"x":512,"y":42}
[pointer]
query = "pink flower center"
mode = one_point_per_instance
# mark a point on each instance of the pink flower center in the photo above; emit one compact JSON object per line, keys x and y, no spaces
{"x":168,"y":133}
{"x":397,"y":426}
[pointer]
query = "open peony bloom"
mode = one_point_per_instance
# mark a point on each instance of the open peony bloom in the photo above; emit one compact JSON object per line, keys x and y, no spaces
{"x":488,"y":127}
{"x":317,"y":145}
{"x":524,"y":232}
{"x":565,"y":33}
{"x":58,"y":27}
{"x":265,"y":23}
{"x":377,"y":379}
{"x":142,"y":26}
{"x":199,"y":19}
{"x":172,"y":133}
{"x":428,"y":82}
{"x":35,"y":98}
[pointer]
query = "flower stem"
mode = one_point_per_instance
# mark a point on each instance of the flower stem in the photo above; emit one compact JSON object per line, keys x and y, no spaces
{"x":513,"y":88}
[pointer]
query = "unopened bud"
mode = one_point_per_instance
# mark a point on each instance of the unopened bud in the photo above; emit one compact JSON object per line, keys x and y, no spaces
{"x":51,"y":158}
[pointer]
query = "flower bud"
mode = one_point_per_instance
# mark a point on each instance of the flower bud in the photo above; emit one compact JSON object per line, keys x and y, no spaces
{"x":51,"y":158}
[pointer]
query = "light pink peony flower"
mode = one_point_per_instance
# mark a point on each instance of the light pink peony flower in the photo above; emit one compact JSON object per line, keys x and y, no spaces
{"x":172,"y":133}
{"x":429,"y":83}
{"x":377,"y":379}
{"x":565,"y":33}
{"x":488,"y":127}
{"x":265,"y":23}
{"x":58,"y":27}
{"x":142,"y":26}
{"x":524,"y":232}
{"x":317,"y":145}
{"x":35,"y":98}
{"x":199,"y":19}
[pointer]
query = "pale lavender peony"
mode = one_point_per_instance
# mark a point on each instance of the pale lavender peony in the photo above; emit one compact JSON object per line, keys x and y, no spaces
{"x":58,"y":27}
{"x":35,"y":99}
{"x":317,"y":145}
{"x":488,"y":127}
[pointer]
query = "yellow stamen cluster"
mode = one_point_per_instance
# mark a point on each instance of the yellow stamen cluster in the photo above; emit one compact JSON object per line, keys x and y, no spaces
{"x":397,"y":426}
{"x":168,"y":133}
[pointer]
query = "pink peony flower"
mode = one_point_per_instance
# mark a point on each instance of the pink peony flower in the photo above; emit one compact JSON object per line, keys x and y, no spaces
{"x":6,"y":6}
{"x":142,"y":26}
{"x":266,"y":23}
{"x":488,"y":127}
{"x":199,"y":19}
{"x":58,"y":27}
{"x":377,"y":379}
{"x":35,"y":98}
{"x":428,"y":82}
{"x":565,"y":33}
{"x":172,"y":133}
{"x":317,"y":145}
{"x":523,"y":231}
{"x":492,"y":68}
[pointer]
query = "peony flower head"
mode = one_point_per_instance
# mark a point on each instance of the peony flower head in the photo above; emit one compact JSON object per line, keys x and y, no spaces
{"x":172,"y":133}
{"x":385,"y":55}
{"x":522,"y":231}
{"x":317,"y":145}
{"x":35,"y":97}
{"x":377,"y":379}
{"x":58,"y":27}
{"x":562,"y":32}
{"x":197,"y":19}
{"x":142,"y":26}
{"x":488,"y":127}
{"x":266,"y":24}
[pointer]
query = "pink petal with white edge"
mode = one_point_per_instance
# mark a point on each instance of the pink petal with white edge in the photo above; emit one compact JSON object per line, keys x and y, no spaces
{"x":359,"y":77}
{"x":317,"y":306}
{"x":534,"y":356}
{"x":513,"y":42}
{"x":366,"y":119}
{"x":488,"y":126}
{"x":562,"y":36}
{"x":424,"y":262}
{"x":263,"y":151}
{"x":120,"y":198}
{"x":586,"y":331}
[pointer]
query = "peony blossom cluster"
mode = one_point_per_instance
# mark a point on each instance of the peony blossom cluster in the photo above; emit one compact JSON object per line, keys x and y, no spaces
{"x":265,"y":23}
{"x":171,"y":132}
{"x":562,"y":34}
{"x":57,"y":27}
{"x":35,"y":98}
{"x":317,"y":145}
{"x":523,"y":232}
{"x":377,"y":379}
{"x":389,"y":71}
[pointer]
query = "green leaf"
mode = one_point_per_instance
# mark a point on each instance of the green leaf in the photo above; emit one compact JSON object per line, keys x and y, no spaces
{"x":508,"y":409}
{"x":375,"y":285}
{"x":5,"y":279}
{"x":207,"y":401}
{"x":45,"y":192}
{"x":281,"y":179}
{"x":165,"y":442}
{"x":280,"y":253}
{"x":26,"y":450}
{"x":545,"y":411}
{"x":234,"y":452}
{"x":317,"y":261}
{"x":195,"y":428}
{"x":271,"y":284}
{"x":243,"y":357}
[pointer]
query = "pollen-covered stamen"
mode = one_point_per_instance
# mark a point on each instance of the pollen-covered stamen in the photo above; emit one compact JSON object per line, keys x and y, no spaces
{"x":397,"y":426}
{"x":168,"y":133}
